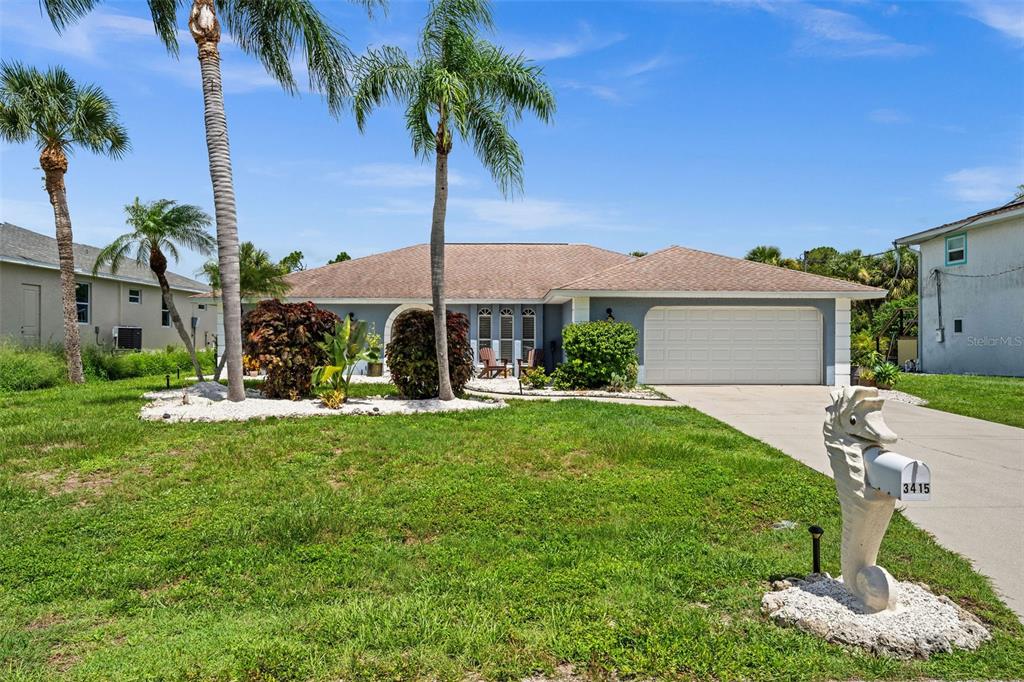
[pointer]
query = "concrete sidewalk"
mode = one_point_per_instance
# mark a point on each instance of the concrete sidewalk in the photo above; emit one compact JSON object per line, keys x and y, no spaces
{"x":977,"y":506}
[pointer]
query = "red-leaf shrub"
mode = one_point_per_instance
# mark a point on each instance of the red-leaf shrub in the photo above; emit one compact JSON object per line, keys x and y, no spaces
{"x":283,"y":337}
{"x":412,"y":359}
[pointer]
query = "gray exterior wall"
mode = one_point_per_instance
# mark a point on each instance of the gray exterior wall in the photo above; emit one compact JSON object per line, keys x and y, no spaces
{"x":375,"y":314}
{"x":109,"y":308}
{"x":633,"y":310}
{"x":991,"y":308}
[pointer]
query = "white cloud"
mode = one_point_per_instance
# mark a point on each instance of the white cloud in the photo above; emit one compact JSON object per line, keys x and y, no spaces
{"x":393,"y":175}
{"x":585,"y":40}
{"x":83,"y":39}
{"x":831,"y":33}
{"x":1005,"y":17}
{"x":404,"y":207}
{"x":535,"y":214}
{"x":604,"y":92}
{"x":984,"y":184}
{"x":834,"y":33}
{"x":888,"y":116}
{"x":33,"y":215}
{"x":653,"y":64}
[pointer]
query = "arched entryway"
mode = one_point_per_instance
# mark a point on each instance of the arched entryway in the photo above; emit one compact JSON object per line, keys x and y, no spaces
{"x":394,"y":316}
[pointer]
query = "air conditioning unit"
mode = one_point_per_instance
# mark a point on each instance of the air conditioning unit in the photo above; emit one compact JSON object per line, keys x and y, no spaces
{"x":128,"y":338}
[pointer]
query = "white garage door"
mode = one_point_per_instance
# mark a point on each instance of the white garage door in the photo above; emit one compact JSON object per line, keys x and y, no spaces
{"x":732,"y":345}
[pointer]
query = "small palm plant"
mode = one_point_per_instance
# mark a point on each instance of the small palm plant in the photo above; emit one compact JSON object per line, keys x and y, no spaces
{"x":50,"y":109}
{"x":345,"y":348}
{"x":458,"y":84}
{"x":160,"y":227}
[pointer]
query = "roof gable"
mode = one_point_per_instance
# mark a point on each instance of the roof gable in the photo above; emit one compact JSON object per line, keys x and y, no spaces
{"x":678,"y":269}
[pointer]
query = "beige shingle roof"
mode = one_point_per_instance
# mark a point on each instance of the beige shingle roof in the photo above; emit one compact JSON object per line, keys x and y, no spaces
{"x":490,"y":272}
{"x":680,"y":269}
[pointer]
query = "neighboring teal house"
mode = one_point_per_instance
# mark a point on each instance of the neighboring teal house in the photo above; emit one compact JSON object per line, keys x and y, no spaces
{"x":702,"y":318}
{"x":971,"y":293}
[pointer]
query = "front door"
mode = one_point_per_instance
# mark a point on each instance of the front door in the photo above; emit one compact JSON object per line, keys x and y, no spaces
{"x":30,"y":317}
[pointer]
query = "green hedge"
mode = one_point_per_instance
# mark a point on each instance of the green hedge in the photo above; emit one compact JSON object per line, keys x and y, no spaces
{"x":25,"y":368}
{"x":412,"y":356}
{"x":598,"y":354}
{"x":100,"y":364}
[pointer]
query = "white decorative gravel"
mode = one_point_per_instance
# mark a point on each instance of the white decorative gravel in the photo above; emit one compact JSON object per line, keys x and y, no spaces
{"x":921,"y":624}
{"x":510,"y":386}
{"x":204,"y":403}
{"x":901,"y":397}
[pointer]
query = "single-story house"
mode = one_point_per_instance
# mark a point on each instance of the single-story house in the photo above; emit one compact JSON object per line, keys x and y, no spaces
{"x":128,"y":305}
{"x":702,"y":318}
{"x":970,"y":283}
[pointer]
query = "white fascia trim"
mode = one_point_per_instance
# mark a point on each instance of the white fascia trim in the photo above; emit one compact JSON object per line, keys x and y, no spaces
{"x":87,"y":273}
{"x":720,"y":294}
{"x":965,"y":224}
{"x":407,"y":301}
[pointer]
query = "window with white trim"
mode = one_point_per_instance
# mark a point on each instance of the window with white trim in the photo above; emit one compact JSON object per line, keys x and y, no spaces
{"x":529,"y":331}
{"x":83,"y":302}
{"x":135,"y":295}
{"x":506,"y":346}
{"x":165,"y":313}
{"x":956,"y":249}
{"x":483,"y":317}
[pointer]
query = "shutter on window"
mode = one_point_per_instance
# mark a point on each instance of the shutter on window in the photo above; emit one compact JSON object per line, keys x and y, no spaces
{"x":529,"y":334}
{"x":507,"y":344}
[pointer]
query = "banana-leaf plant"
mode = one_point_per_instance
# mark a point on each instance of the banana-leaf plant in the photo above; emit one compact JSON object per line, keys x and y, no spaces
{"x":345,"y":348}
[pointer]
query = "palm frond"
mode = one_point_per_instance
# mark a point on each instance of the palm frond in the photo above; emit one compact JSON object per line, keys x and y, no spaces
{"x":114,"y":253}
{"x":459,"y":16}
{"x":385,"y":75}
{"x":51,"y":107}
{"x":275,"y":31}
{"x":512,"y":81}
{"x":494,"y":146}
{"x":165,"y":22}
{"x":65,"y":12}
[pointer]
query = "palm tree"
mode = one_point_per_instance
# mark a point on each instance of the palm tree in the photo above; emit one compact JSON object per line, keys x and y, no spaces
{"x":160,"y":226}
{"x":772,"y":255}
{"x":458,"y":83}
{"x":258,"y":276}
{"x":58,"y":115}
{"x":272,"y":31}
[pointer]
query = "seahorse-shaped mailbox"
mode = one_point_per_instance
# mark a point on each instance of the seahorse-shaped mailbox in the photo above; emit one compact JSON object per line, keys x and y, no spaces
{"x":869,"y":480}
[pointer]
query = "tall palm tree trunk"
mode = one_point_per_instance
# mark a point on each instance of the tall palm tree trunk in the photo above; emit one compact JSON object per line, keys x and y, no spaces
{"x":158,"y":264}
{"x":444,"y":383}
{"x":55,"y":164}
{"x":205,"y":30}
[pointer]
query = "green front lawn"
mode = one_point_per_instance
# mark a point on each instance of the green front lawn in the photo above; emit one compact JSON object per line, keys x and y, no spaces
{"x":995,"y":399}
{"x":493,"y":544}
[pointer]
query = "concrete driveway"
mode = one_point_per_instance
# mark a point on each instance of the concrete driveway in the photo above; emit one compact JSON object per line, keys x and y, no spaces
{"x":977,"y":506}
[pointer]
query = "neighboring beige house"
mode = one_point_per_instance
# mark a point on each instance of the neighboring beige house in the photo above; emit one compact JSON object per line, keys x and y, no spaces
{"x":128,"y":305}
{"x":971,"y":293}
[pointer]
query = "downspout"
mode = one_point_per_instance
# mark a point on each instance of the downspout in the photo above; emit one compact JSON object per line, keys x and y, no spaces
{"x":940,"y":331}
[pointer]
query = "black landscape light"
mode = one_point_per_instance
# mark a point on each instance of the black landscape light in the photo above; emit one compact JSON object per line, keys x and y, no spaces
{"x":816,"y":533}
{"x":167,"y":379}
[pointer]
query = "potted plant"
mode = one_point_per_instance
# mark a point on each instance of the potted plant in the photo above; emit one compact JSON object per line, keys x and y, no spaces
{"x":866,"y":377}
{"x":374,"y":364}
{"x":345,"y":348}
{"x":886,"y":375}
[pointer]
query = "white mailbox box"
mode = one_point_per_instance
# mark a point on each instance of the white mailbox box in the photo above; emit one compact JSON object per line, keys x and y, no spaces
{"x":905,"y":479}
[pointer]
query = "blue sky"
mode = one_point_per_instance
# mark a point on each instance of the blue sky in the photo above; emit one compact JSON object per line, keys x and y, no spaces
{"x":712,"y":125}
